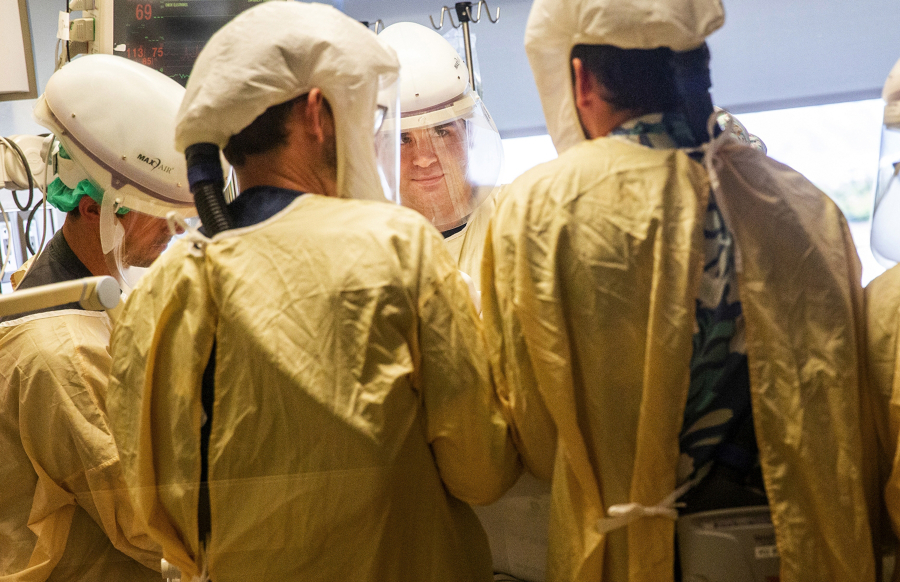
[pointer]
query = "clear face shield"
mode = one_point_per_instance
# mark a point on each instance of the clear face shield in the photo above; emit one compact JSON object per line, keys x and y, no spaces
{"x":387,"y":137}
{"x":450,"y":159}
{"x":886,"y":214}
{"x":131,"y":241}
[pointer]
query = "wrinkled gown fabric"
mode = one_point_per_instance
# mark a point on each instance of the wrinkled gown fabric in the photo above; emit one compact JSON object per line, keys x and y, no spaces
{"x":589,"y":286}
{"x":882,"y":331}
{"x":65,"y":513}
{"x":353,"y":412}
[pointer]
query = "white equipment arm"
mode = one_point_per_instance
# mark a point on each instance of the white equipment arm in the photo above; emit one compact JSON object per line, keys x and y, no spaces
{"x":35,"y":150}
{"x":92,"y":293}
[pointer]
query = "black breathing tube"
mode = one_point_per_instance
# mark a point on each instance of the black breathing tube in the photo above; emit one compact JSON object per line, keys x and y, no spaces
{"x":693,"y":82}
{"x":205,"y":178}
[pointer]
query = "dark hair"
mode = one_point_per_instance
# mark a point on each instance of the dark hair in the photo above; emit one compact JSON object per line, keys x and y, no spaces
{"x":638,"y":79}
{"x":267,"y":132}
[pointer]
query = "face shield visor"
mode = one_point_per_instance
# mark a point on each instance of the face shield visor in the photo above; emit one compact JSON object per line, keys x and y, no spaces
{"x":387,"y":137}
{"x":268,"y":55}
{"x":450,"y":159}
{"x":886,"y":214}
{"x":554,"y":27}
{"x":131,"y":240}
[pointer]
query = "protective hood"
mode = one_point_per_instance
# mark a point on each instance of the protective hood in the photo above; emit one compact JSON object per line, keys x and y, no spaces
{"x":278,"y":51}
{"x":891,"y":95}
{"x":555,"y":26}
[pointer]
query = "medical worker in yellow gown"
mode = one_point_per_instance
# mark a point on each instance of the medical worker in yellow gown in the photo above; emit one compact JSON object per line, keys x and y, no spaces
{"x":450,"y":149}
{"x":641,"y":308}
{"x":305,"y":396}
{"x":450,"y":158}
{"x":65,"y":512}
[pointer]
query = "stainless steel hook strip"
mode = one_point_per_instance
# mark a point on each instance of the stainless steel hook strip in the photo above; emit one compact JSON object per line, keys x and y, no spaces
{"x":449,"y":11}
{"x":444,"y":10}
{"x":480,"y":4}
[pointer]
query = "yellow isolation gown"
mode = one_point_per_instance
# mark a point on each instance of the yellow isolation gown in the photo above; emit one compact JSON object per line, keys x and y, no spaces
{"x":516,"y":524}
{"x":589,"y":283}
{"x":467,"y":245}
{"x":354,"y":416}
{"x":883,"y":330}
{"x":65,"y":513}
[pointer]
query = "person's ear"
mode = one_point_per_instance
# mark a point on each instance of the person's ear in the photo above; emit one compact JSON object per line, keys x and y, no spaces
{"x":586,"y":86}
{"x":88,"y":209}
{"x":316,"y":116}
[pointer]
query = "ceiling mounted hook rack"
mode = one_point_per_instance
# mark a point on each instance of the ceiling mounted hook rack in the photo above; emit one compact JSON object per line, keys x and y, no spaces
{"x":464,"y":14}
{"x":483,"y":3}
{"x":440,"y":25}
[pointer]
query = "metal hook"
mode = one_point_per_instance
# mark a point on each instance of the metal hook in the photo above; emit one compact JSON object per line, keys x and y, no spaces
{"x":378,"y":22}
{"x":480,"y":4}
{"x":484,"y":3}
{"x":444,"y":9}
{"x":464,"y":15}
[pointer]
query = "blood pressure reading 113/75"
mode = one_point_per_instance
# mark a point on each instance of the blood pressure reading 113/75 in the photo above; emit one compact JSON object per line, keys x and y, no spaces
{"x":168,"y":35}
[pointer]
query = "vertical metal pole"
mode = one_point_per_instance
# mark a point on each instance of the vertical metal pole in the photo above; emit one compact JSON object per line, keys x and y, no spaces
{"x":469,"y":61}
{"x":463,"y":13}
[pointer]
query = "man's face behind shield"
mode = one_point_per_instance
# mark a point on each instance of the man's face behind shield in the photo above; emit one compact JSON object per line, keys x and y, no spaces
{"x":146,"y":237}
{"x":433,"y":167}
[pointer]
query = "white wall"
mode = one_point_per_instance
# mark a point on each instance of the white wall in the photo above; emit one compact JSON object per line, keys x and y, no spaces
{"x":15,"y":116}
{"x":770,"y":54}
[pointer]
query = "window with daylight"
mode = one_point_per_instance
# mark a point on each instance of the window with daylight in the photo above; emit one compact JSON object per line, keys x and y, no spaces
{"x":835,"y":146}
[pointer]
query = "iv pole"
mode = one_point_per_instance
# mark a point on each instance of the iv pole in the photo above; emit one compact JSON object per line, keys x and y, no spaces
{"x":464,"y":14}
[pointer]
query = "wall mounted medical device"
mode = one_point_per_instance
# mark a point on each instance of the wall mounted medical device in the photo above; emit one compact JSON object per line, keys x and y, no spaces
{"x":163,"y":35}
{"x":27,"y":164}
{"x":18,"y":80}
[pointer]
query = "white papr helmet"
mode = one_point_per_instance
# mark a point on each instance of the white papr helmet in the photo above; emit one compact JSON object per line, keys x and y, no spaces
{"x":116,"y":120}
{"x":450,"y":149}
{"x":885,"y":234}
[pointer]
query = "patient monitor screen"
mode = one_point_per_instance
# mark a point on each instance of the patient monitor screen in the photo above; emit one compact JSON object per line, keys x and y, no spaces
{"x":168,"y":35}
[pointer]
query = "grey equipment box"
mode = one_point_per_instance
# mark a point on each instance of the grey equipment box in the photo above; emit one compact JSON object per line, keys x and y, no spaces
{"x":728,"y":545}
